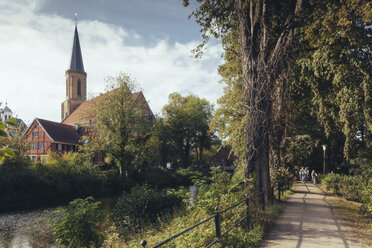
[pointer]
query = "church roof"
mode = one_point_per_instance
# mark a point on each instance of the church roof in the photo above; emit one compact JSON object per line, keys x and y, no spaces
{"x":58,"y":132}
{"x":7,"y":109}
{"x":86,"y":110}
{"x":76,"y":57}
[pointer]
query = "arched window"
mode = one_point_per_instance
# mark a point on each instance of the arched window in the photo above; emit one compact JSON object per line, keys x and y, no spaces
{"x":79,"y":88}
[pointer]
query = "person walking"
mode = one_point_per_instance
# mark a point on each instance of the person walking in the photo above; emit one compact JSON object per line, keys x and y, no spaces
{"x":302,"y":174}
{"x":307,"y":177}
{"x":314,"y":177}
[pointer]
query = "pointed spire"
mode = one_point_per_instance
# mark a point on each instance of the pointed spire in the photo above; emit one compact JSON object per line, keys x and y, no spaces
{"x":76,"y":58}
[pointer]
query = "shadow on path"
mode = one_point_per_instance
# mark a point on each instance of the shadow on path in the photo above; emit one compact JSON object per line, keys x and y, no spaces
{"x":308,"y":220}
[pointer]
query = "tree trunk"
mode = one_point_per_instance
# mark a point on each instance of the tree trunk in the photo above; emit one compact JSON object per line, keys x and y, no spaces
{"x":262,"y":65}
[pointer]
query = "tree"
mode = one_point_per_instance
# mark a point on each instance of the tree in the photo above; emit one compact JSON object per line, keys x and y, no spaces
{"x":263,"y":41}
{"x":122,"y":125}
{"x":266,"y":34}
{"x":188,"y":121}
{"x":337,"y":71}
{"x":5,"y":149}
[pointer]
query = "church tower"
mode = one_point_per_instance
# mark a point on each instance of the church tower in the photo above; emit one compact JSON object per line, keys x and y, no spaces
{"x":76,"y":80}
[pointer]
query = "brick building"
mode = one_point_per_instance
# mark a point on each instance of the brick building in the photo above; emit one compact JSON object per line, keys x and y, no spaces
{"x":44,"y":136}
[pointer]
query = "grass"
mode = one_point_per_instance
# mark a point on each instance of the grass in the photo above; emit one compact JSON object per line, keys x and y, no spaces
{"x":348,"y":212}
{"x":204,"y":234}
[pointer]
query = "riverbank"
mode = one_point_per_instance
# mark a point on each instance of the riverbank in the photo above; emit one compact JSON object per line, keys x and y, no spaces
{"x":16,"y":228}
{"x":25,"y":185}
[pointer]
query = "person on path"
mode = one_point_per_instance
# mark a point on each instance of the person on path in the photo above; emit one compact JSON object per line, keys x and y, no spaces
{"x":307,"y":178}
{"x":302,"y":174}
{"x":314,"y":177}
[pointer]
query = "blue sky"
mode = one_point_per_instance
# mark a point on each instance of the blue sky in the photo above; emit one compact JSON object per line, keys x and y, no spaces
{"x":149,"y":39}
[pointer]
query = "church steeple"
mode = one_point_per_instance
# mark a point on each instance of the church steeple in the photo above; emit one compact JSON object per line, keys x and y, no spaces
{"x":76,"y":58}
{"x":76,"y":80}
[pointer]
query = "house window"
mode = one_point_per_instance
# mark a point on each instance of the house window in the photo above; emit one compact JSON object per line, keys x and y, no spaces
{"x":35,"y":134}
{"x":59,"y":147}
{"x":41,"y":146}
{"x":79,"y":88}
{"x":34,"y":146}
{"x":33,"y":158}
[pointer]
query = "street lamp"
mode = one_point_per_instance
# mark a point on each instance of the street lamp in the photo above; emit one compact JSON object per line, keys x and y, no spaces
{"x":324,"y":150}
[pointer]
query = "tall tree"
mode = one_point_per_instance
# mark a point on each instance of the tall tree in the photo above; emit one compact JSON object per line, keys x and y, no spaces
{"x":122,"y":124}
{"x":266,"y":33}
{"x":337,"y":69}
{"x":187,"y":119}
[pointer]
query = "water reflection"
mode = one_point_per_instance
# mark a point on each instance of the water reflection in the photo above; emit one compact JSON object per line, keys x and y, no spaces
{"x":16,"y":229}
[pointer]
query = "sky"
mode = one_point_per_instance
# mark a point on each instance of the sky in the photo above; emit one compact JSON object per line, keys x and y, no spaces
{"x":151,"y":40}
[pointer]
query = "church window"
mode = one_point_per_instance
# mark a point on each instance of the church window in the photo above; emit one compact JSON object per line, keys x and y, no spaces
{"x":79,"y":88}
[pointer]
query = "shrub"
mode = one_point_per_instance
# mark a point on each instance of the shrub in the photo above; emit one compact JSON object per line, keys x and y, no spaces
{"x":25,"y":185}
{"x":332,"y":182}
{"x":366,"y":198}
{"x":280,"y":175}
{"x":353,"y":187}
{"x":143,"y":204}
{"x":350,"y":187}
{"x":79,"y":226}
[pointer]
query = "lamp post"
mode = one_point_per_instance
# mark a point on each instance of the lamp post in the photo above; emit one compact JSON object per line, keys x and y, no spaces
{"x":324,"y":150}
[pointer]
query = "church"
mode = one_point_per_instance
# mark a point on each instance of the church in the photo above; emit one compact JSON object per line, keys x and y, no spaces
{"x":60,"y":137}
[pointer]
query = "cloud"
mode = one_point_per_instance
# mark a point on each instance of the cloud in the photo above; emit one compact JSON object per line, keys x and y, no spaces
{"x":35,"y":52}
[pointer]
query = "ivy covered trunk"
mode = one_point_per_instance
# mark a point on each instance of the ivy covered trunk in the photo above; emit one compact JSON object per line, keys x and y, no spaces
{"x":252,"y":17}
{"x":263,"y":63}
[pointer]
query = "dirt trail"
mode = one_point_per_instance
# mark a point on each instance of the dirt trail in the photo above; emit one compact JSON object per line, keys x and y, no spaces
{"x":308,"y":220}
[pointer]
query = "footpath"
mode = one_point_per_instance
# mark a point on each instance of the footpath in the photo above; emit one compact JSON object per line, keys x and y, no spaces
{"x":308,"y":220}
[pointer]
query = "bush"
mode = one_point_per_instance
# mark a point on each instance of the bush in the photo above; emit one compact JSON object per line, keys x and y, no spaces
{"x":281,"y":175}
{"x":143,"y":204}
{"x":79,"y":226}
{"x":332,"y":182}
{"x":25,"y":185}
{"x":353,"y":187}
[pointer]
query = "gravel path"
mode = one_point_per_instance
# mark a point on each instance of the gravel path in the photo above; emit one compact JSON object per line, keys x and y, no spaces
{"x":308,"y":220}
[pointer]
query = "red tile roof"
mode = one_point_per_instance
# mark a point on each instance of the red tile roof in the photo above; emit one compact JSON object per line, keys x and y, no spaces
{"x":59,"y":132}
{"x":223,"y":156}
{"x":86,"y":110}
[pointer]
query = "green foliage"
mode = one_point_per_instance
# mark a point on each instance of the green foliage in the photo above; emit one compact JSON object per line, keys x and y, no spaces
{"x":230,"y":117}
{"x":333,"y":84}
{"x":353,"y":187}
{"x":162,"y":177}
{"x":332,"y":182}
{"x":142,"y":205}
{"x":187,"y":119}
{"x":299,"y":149}
{"x":79,"y":225}
{"x":122,"y":123}
{"x":7,"y":150}
{"x":24,"y":184}
{"x":219,"y":190}
{"x":280,"y":175}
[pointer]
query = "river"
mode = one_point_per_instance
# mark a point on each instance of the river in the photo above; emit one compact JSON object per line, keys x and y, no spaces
{"x":17,"y":230}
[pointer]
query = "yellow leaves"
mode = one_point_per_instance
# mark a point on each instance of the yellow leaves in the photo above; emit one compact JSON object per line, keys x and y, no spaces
{"x":344,"y":22}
